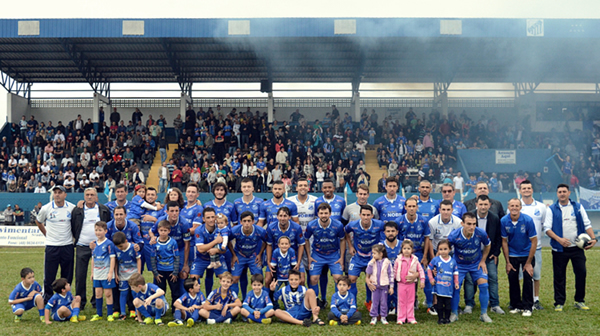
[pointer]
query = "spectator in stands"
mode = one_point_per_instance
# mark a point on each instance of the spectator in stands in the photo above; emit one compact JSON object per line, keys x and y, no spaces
{"x":115,"y":117}
{"x":19,"y":216}
{"x":9,"y":215}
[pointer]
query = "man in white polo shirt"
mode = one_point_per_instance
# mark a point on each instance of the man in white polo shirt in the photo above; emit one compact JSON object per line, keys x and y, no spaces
{"x":54,"y":221}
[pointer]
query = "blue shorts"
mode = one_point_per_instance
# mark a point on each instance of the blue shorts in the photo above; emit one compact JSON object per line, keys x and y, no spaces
{"x":299,"y":312}
{"x":476,"y":273}
{"x":24,"y":305}
{"x":123,"y":285}
{"x":243,"y":263}
{"x":200,"y":265}
{"x":146,"y":257}
{"x":358,"y":265}
{"x":57,"y":318}
{"x":152,"y":309}
{"x":105,"y":284}
{"x":316,"y":268}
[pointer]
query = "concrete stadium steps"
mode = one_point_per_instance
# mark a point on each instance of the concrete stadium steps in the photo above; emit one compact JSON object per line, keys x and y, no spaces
{"x":152,"y":178}
{"x":373,"y":169}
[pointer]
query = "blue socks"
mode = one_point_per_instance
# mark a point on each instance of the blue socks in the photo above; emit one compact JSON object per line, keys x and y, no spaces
{"x":143,"y":311}
{"x":76,"y":311}
{"x":428,"y":295}
{"x":235,"y":288}
{"x":368,"y":299}
{"x":315,"y":288}
{"x":177,"y":315}
{"x":323,"y":280}
{"x":244,"y":283}
{"x":354,"y":290}
{"x":99,"y":306}
{"x":41,"y":311}
{"x":484,"y":297}
{"x":157,"y":313}
{"x":109,"y":309}
{"x":123,"y":301}
{"x":455,"y":301}
{"x":208,"y":281}
{"x":196,"y":315}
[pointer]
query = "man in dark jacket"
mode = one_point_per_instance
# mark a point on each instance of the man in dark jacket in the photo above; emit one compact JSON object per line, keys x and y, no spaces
{"x":482,"y":188}
{"x":83,"y":219}
{"x":115,"y":117}
{"x":491,"y":224}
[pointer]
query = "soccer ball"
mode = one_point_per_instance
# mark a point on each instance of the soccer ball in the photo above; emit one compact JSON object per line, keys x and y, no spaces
{"x":583,"y":240}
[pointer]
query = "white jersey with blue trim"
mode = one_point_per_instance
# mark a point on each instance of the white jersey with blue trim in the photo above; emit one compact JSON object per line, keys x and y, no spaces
{"x":537,"y":212}
{"x":306,"y":210}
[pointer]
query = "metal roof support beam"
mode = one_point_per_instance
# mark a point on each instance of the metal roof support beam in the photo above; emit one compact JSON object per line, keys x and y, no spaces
{"x":14,"y":86}
{"x":523,"y":88}
{"x":359,"y":73}
{"x":440,"y":96}
{"x":182,"y":77}
{"x":91,"y":74}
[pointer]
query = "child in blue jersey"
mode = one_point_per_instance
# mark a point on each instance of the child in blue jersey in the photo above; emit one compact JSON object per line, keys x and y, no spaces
{"x":223,"y":230}
{"x":26,"y":295}
{"x":129,"y":262}
{"x":282,"y":262}
{"x":343,"y":305}
{"x":62,"y":306}
{"x":445,"y":280}
{"x":149,"y":300}
{"x":165,"y":261}
{"x":188,"y":306}
{"x":222,"y":304}
{"x":103,"y":271}
{"x":139,"y":205}
{"x":300,"y":303}
{"x":257,"y":306}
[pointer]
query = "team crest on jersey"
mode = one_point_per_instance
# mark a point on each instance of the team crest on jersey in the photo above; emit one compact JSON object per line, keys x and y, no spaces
{"x":254,"y":207}
{"x":537,"y":212}
{"x":477,"y":242}
{"x":508,"y":229}
{"x":337,"y":206}
{"x":311,"y":207}
{"x":523,"y":229}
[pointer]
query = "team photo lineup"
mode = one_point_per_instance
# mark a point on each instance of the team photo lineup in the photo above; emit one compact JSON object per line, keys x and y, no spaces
{"x":283,"y":250}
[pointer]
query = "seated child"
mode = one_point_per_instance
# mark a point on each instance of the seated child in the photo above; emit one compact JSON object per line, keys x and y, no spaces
{"x":343,"y":305}
{"x":149,"y":300}
{"x":222,"y":304}
{"x":299,"y":302}
{"x":188,"y":306}
{"x":62,"y":306}
{"x":129,"y":262}
{"x":103,"y":268}
{"x":257,"y":305}
{"x":26,"y":295}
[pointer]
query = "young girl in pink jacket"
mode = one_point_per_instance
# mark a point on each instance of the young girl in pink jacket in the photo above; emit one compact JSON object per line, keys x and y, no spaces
{"x":407,"y":265}
{"x":380,"y":280}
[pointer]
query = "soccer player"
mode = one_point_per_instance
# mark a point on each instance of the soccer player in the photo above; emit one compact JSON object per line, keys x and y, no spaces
{"x":366,"y":233}
{"x":284,"y":227}
{"x":416,"y":229}
{"x":221,"y":204}
{"x":519,"y":242}
{"x":448,"y":192}
{"x":537,"y":211}
{"x":206,"y":243}
{"x":148,"y":220}
{"x":305,"y":204}
{"x":328,"y":248}
{"x":336,"y":202}
{"x":428,"y":207}
{"x":249,"y":239}
{"x":127,"y":227}
{"x":222,"y":305}
{"x":103,"y":271}
{"x":128,"y":262}
{"x":391,"y":205}
{"x":165,"y":260}
{"x":149,"y":300}
{"x":300,"y":303}
{"x":257,"y":306}
{"x":187,"y":307}
{"x":269,"y":209}
{"x":121,"y":195}
{"x":471,"y":258}
{"x":26,"y":295}
{"x":62,"y":306}
{"x":343,"y":305}
{"x":352,"y":211}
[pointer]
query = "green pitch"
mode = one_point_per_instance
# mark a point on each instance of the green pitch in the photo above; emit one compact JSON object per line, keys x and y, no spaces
{"x":546,"y":322}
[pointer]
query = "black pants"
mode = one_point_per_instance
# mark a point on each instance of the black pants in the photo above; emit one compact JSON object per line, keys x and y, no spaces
{"x":357,"y":316}
{"x":444,"y":308}
{"x":55,"y":256}
{"x":117,"y":300}
{"x":524,"y":302}
{"x":83,"y":254}
{"x":173,"y":285}
{"x":560,"y":260}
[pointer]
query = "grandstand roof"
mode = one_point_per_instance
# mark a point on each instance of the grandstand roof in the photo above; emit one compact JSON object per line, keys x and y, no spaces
{"x":301,"y":50}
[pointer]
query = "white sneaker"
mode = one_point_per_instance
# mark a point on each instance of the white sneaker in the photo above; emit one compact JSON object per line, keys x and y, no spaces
{"x":468,"y":310}
{"x":210,"y":321}
{"x":384,"y":321}
{"x":485,"y":318}
{"x":373,"y":320}
{"x":453,"y":317}
{"x":497,"y":310}
{"x":392,"y":312}
{"x":527,"y":313}
{"x":228,"y":321}
{"x":515,"y":311}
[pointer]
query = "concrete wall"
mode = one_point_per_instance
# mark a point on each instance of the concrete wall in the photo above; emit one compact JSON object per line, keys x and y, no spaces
{"x":17,"y":107}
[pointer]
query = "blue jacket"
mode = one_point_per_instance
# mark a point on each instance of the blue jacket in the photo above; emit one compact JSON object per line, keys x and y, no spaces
{"x":557,"y":223}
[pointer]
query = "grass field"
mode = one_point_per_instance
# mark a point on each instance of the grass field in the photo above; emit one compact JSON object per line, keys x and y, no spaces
{"x":546,"y":322}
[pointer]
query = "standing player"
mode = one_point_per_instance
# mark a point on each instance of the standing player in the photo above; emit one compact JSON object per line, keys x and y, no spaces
{"x":250,"y":243}
{"x":336,"y":202}
{"x":328,"y":247}
{"x":284,"y":227}
{"x":269,"y":209}
{"x":367,"y":232}
{"x":537,"y":212}
{"x":206,"y":242}
{"x":415,"y":228}
{"x":427,"y":207}
{"x":149,"y":218}
{"x":121,"y":194}
{"x":352,"y":211}
{"x":441,"y":225}
{"x":470,"y":258}
{"x":391,"y":205}
{"x":448,"y":192}
{"x":393,"y":248}
{"x":221,"y":205}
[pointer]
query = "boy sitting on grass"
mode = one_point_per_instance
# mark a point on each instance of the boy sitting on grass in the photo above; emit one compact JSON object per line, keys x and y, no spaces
{"x":222,"y":304}
{"x":299,"y":302}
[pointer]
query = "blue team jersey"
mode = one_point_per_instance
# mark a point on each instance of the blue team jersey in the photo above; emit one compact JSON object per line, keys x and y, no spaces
{"x":289,"y":297}
{"x":180,"y":232}
{"x":428,"y":209}
{"x":468,"y":251}
{"x":343,"y":305}
{"x":364,"y":239}
{"x":131,"y":231}
{"x":135,"y":210}
{"x":258,"y":302}
{"x":101,"y":255}
{"x":191,"y":214}
{"x":145,"y":226}
{"x":202,"y":236}
{"x":415,"y":232}
{"x":127,"y":262}
{"x":392,"y":252}
{"x":268,"y":210}
{"x":389,"y":210}
{"x":224,"y":232}
{"x":294,"y":232}
{"x":338,"y":204}
{"x":21,"y":292}
{"x":113,"y":204}
{"x":187,"y":300}
{"x":150,"y":290}
{"x":248,"y":245}
{"x":216,"y":297}
{"x":283,"y":263}
{"x":261,"y":165}
{"x":57,"y":301}
{"x":326,"y":240}
{"x":227,"y":210}
{"x":444,"y":279}
{"x":253,"y":206}
{"x":165,"y":253}
{"x":458,"y":209}
{"x":518,"y":235}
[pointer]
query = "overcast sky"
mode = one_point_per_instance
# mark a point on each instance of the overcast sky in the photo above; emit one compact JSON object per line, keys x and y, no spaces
{"x":306,"y":8}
